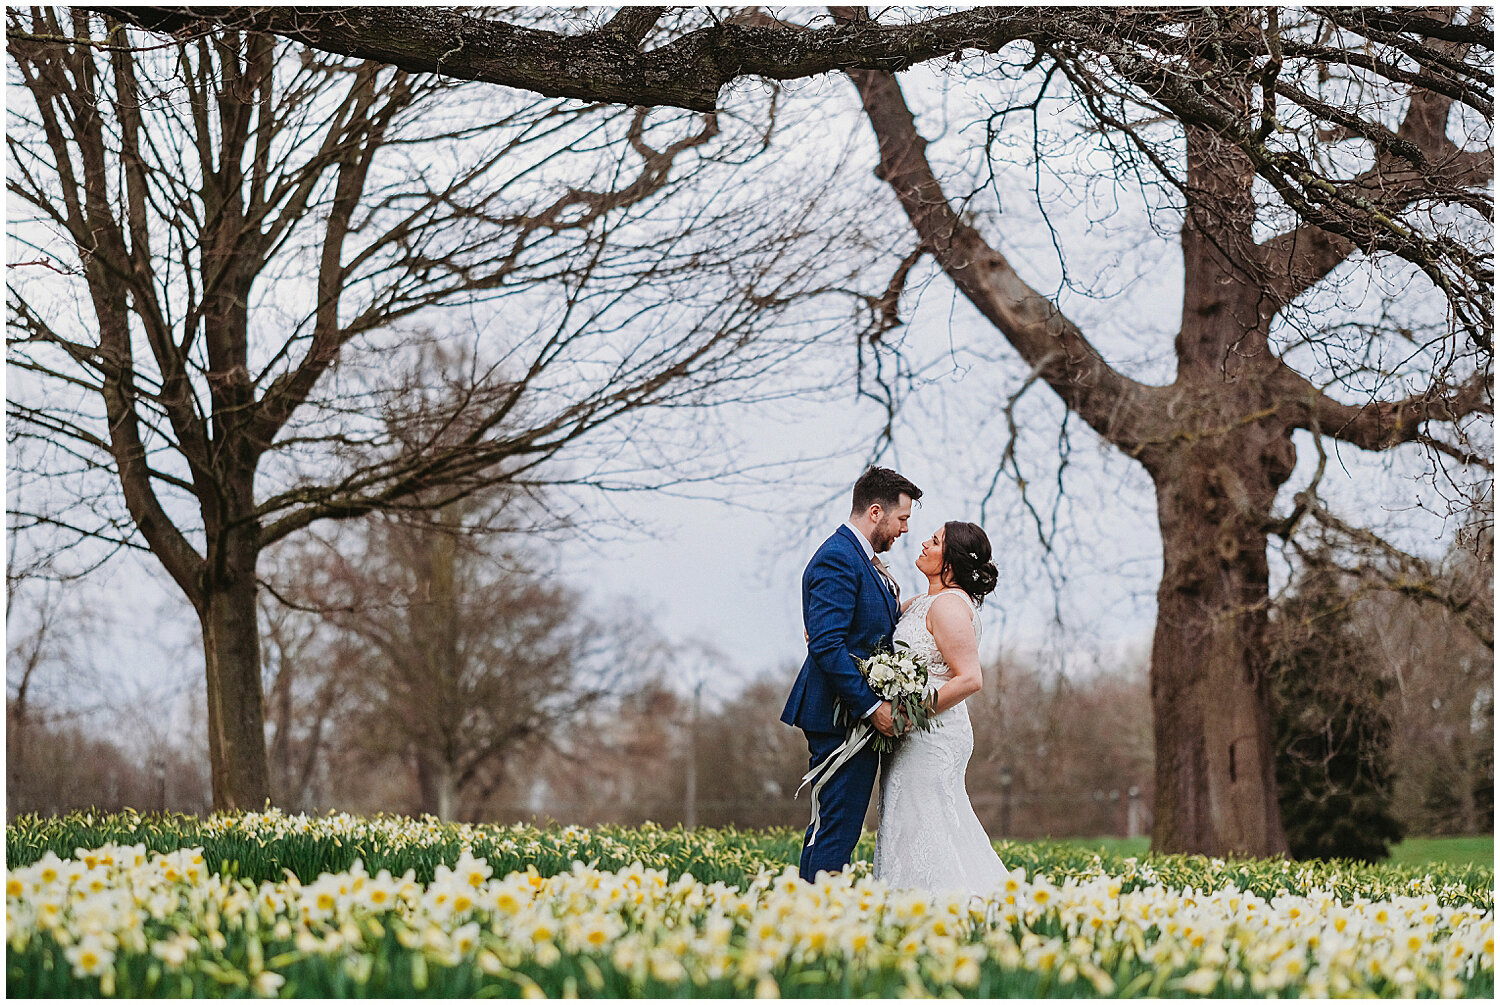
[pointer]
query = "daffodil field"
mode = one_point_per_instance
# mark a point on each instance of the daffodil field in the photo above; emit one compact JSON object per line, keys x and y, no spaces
{"x":277,"y":905}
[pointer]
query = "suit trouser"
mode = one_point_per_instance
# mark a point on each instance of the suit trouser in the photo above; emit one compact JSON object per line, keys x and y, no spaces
{"x":841,"y":806}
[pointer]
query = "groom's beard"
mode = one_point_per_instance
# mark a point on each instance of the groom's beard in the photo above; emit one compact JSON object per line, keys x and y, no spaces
{"x":880,"y":539}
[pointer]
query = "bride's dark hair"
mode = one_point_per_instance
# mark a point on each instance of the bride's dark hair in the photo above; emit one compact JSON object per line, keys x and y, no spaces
{"x":966,"y":558}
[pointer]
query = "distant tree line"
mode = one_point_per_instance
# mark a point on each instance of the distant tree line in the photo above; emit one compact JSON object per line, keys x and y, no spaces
{"x":450,"y":675}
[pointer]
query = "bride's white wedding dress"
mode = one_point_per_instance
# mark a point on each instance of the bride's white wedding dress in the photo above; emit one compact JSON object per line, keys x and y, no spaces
{"x":929,"y":838}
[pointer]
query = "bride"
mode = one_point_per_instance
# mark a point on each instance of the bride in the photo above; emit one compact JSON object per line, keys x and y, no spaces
{"x":929,"y":838}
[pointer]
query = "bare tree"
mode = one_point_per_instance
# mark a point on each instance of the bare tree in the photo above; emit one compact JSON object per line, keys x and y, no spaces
{"x":748,"y":762}
{"x":1294,"y":145}
{"x":88,"y":768}
{"x":27,"y":653}
{"x":456,"y":652}
{"x":77,"y":735}
{"x":227,"y":232}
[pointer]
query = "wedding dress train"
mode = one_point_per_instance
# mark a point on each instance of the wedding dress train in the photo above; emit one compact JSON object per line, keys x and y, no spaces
{"x":929,"y":838}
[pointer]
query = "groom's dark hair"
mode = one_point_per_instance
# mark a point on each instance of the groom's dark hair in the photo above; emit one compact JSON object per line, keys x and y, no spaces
{"x":883,"y":486}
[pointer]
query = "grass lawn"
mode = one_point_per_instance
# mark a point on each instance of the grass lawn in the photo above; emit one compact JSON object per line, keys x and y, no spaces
{"x":1478,"y":849}
{"x":1137,"y":846}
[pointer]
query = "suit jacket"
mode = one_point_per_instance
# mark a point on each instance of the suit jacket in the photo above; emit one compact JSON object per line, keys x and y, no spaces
{"x":849,"y":613}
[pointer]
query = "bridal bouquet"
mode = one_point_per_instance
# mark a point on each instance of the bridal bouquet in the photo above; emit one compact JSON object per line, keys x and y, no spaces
{"x":899,"y":677}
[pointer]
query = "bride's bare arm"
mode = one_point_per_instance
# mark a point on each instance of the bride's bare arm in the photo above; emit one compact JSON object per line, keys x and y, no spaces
{"x":952,"y":625}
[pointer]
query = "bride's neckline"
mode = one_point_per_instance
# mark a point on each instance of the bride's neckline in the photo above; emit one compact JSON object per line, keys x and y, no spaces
{"x":948,"y":589}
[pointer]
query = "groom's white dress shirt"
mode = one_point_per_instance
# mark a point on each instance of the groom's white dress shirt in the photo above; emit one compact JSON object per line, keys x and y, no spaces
{"x":869,"y":548}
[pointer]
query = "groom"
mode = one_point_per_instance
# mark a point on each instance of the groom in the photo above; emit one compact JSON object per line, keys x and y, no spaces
{"x":850,"y":606}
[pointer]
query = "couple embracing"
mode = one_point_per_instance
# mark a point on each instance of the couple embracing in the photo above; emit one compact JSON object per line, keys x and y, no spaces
{"x":929,"y":838}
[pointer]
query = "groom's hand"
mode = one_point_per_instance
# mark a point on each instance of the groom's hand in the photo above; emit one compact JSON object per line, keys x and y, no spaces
{"x":882,"y":719}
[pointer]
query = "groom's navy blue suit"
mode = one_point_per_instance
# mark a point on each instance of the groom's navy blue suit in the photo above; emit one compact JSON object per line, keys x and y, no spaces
{"x":849,"y":613}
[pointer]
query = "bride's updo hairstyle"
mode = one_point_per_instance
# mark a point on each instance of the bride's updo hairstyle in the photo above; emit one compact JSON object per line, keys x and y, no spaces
{"x":966,"y":559}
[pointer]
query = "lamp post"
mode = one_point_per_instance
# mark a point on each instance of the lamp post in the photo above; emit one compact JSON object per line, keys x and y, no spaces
{"x":690,"y":797}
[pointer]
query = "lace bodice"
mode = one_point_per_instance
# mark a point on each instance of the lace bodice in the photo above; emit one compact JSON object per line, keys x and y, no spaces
{"x":912,"y":629}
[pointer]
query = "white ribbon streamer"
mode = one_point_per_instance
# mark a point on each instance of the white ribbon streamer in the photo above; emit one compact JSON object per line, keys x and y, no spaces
{"x":841,"y":755}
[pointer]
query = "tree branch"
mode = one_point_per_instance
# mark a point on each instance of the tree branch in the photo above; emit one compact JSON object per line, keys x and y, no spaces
{"x":103,"y":249}
{"x":1394,"y":570}
{"x":1381,"y":425}
{"x":1107,"y":400}
{"x":687,"y":72}
{"x":632,"y":24}
{"x":1411,"y":163}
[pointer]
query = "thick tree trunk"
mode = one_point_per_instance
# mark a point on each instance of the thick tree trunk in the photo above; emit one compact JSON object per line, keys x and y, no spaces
{"x":231,"y":649}
{"x":1216,"y":473}
{"x":1215,"y":769}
